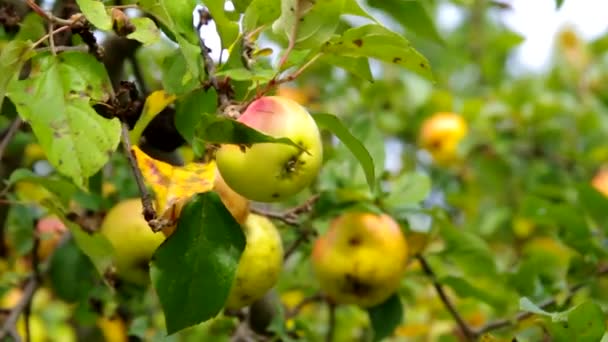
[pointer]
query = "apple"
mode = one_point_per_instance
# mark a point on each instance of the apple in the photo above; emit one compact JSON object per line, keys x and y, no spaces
{"x":49,"y":230}
{"x":600,"y":181}
{"x":260,"y":264}
{"x":270,"y":172}
{"x":236,"y":204}
{"x":113,"y":328}
{"x":133,"y":241}
{"x":360,"y":259}
{"x":441,"y":133}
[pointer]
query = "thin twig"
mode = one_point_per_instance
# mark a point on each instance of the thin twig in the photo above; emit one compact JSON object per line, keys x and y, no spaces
{"x":468,"y":333}
{"x":146,"y":198}
{"x":293,"y":36}
{"x":503,"y":323}
{"x":50,"y":34}
{"x":223,"y":98}
{"x":49,"y":16}
{"x":305,"y":235}
{"x":33,"y":282}
{"x":289,"y":216}
{"x":63,"y":48}
{"x":52,"y":40}
{"x":308,"y":300}
{"x":9,"y":135}
{"x":11,"y":320}
{"x":331,"y":326}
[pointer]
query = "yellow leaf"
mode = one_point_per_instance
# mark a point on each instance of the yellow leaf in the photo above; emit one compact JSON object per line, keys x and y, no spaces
{"x":174,"y":185}
{"x":155,"y":103}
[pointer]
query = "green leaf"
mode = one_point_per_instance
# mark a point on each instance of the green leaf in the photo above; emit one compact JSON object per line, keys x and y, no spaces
{"x":63,"y":189}
{"x":242,"y":74}
{"x":411,"y":14}
{"x":145,"y":32}
{"x":217,"y":129}
{"x":193,"y":270}
{"x":261,"y":12}
{"x":353,"y":7}
{"x":332,"y":123}
{"x":468,"y":251}
{"x":358,"y":66}
{"x":176,"y":16}
{"x":408,"y":188}
{"x":525,"y":304}
{"x":12,"y":57}
{"x":385,"y":317}
{"x":55,"y":101}
{"x":227,"y":29}
{"x":316,"y":21}
{"x":94,"y":245}
{"x":190,"y":110}
{"x":71,"y":273}
{"x":595,"y":204}
{"x":378,"y":42}
{"x":586,"y":323}
{"x":559,"y":3}
{"x":465,"y":289}
{"x":31,"y":28}
{"x":177,"y":77}
{"x":96,"y":13}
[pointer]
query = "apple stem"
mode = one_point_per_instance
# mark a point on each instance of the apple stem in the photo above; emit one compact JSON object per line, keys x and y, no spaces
{"x":331,"y":326}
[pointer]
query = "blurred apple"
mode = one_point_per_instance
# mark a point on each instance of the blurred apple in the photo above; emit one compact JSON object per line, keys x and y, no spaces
{"x":600,"y":181}
{"x":360,"y":259}
{"x":440,"y":134}
{"x":49,"y":229}
{"x":260,"y":264}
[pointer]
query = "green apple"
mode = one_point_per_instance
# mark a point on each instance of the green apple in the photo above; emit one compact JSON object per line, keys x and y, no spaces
{"x":260,"y":264}
{"x":361,"y":259}
{"x":133,"y":241}
{"x":269,"y":172}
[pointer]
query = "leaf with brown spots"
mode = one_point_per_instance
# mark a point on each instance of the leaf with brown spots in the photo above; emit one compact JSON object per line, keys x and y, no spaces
{"x":174,"y":185}
{"x":376,"y":41}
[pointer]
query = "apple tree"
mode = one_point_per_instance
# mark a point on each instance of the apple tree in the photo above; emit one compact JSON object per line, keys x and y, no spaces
{"x":297,"y":170}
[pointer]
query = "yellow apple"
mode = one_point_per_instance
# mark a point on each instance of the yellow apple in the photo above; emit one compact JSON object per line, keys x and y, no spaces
{"x":113,"y":329}
{"x":49,"y":230}
{"x":600,"y":181}
{"x":133,"y":241}
{"x":260,"y":264}
{"x":361,"y":259}
{"x":269,"y":172}
{"x":440,"y":134}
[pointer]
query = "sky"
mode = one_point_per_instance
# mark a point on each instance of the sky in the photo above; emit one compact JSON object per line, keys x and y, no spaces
{"x":538,"y":21}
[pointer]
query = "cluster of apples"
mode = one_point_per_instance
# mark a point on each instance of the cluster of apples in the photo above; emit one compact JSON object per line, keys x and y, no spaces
{"x":360,"y":260}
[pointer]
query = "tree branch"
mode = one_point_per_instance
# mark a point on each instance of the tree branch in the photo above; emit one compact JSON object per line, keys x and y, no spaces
{"x":289,"y":216}
{"x":305,"y":235}
{"x":468,"y":333}
{"x":331,"y":326}
{"x":49,"y":16}
{"x":503,"y":323}
{"x":9,"y":135}
{"x":222,"y":93}
{"x":146,"y":198}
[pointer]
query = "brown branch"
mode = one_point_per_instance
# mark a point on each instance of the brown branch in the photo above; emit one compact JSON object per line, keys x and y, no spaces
{"x":50,"y":17}
{"x":222,"y":91}
{"x":468,"y":333}
{"x":305,"y":235}
{"x":146,"y":198}
{"x":503,"y":323}
{"x":63,"y":48}
{"x":9,"y":326}
{"x":9,"y":135}
{"x":289,"y":216}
